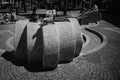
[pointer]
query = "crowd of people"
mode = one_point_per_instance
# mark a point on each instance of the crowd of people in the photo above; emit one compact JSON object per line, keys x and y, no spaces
{"x":9,"y":16}
{"x":50,"y":13}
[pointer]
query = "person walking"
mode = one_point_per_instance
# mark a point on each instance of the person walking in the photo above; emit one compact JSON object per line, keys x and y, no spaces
{"x":34,"y":15}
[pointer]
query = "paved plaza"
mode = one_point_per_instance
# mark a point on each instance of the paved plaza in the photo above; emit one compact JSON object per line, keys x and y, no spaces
{"x":97,"y":61}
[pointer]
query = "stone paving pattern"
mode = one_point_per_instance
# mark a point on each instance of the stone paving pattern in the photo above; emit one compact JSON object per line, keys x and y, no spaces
{"x":100,"y":65}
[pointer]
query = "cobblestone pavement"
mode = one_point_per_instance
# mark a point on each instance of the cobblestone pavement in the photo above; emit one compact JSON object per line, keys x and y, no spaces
{"x":100,"y":65}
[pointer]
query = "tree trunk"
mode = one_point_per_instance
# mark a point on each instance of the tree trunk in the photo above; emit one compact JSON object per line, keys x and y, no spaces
{"x":24,"y":6}
{"x":31,"y":5}
{"x":65,"y":8}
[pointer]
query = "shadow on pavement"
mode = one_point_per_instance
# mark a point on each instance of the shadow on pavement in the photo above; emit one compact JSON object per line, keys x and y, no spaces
{"x":32,"y":61}
{"x":9,"y":56}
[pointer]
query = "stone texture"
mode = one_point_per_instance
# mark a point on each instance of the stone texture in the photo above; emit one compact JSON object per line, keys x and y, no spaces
{"x":77,"y":33}
{"x":100,"y":65}
{"x":66,"y":42}
{"x":34,"y":44}
{"x":21,"y":41}
{"x":48,"y":45}
{"x":51,"y":46}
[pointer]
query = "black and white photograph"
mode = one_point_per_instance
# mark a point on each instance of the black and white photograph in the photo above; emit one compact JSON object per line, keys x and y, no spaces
{"x":59,"y":39}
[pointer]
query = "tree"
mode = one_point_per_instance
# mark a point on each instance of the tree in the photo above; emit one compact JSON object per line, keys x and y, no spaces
{"x":24,"y":4}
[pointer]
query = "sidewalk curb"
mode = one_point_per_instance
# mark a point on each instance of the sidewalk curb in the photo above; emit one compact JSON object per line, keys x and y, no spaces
{"x":102,"y":37}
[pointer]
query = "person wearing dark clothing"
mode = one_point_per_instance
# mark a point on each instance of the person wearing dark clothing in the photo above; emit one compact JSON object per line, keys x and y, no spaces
{"x":34,"y":15}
